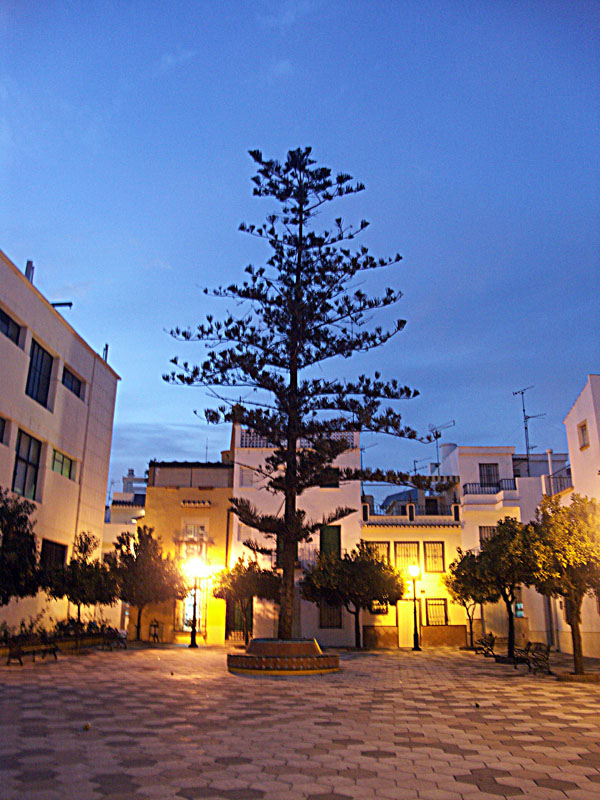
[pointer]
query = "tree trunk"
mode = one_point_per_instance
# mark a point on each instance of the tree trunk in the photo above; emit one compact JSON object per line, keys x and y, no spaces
{"x":357,"y":638}
{"x":576,"y":636}
{"x":286,"y":611}
{"x":511,"y":629}
{"x":138,"y":625}
{"x":244,"y":610}
{"x":470,"y":618}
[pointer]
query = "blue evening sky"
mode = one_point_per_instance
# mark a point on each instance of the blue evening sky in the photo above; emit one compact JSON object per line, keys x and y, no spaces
{"x":124,"y":175}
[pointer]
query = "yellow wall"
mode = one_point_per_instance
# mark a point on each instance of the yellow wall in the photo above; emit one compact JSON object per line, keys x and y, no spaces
{"x":168,"y":517}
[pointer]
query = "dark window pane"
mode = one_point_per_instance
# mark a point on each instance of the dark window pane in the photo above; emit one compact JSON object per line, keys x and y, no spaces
{"x":9,"y":327}
{"x":71,"y":382}
{"x":331,"y":539}
{"x":53,"y":555}
{"x":329,"y":616}
{"x":2,"y":429}
{"x":489,"y":474}
{"x":26,"y":465}
{"x":38,"y":379}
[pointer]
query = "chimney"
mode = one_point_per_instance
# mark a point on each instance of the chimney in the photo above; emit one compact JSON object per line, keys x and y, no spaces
{"x":29,"y":269}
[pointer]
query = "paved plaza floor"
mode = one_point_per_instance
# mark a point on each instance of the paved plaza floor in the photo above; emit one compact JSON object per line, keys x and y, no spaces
{"x":168,"y":723}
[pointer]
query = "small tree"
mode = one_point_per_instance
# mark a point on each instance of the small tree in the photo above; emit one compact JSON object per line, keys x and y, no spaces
{"x":356,"y":581}
{"x":18,"y":548}
{"x":466,"y":585}
{"x":242,"y":583}
{"x":504,"y":563}
{"x":566,"y":541}
{"x":83,"y":581}
{"x":143,"y":574}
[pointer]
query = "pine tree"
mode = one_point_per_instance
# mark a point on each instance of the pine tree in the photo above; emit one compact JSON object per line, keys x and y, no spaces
{"x":296,"y":314}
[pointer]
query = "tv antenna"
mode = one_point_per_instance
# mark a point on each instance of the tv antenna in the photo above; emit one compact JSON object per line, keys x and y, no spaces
{"x":526,"y":418}
{"x":417,"y":461}
{"x":435,"y":430}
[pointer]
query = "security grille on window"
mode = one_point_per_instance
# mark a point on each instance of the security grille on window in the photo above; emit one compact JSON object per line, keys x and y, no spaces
{"x":434,"y":556}
{"x":378,"y":608}
{"x":38,"y":379}
{"x":9,"y":327}
{"x":72,"y":383}
{"x":381,"y":550}
{"x":63,"y":465}
{"x":193,"y":541}
{"x":436,"y":611}
{"x":330,"y":540}
{"x":407,"y":553}
{"x":329,"y":616}
{"x":246,"y":477}
{"x":489,"y":474}
{"x":486,"y":532}
{"x":53,"y":555}
{"x":27,"y":463}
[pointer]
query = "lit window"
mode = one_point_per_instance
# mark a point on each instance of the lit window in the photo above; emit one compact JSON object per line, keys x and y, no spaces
{"x":381,"y":550}
{"x":27,"y":463}
{"x":436,"y":611}
{"x":38,"y":379}
{"x":434,"y":556}
{"x":582,"y":434}
{"x":63,"y":465}
{"x":72,"y":382}
{"x":407,"y":553}
{"x":9,"y":327}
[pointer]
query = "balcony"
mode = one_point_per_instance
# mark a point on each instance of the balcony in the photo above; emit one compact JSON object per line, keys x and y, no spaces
{"x":558,"y":483}
{"x":504,"y":485}
{"x":411,"y":514}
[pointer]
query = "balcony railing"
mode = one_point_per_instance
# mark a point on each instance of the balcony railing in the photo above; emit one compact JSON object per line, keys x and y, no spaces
{"x":559,"y":483}
{"x":504,"y":485}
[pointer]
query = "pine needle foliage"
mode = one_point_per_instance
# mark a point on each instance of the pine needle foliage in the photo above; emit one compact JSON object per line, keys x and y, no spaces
{"x":294,"y":315}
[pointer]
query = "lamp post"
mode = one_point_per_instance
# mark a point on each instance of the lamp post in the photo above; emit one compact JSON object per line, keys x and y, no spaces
{"x":194,"y":570}
{"x":414,"y":573}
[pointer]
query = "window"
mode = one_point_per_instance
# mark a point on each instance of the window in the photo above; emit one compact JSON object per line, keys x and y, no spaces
{"x":26,"y":466}
{"x":486,"y":532}
{"x":246,"y":477}
{"x":381,"y":550}
{"x":378,"y":608}
{"x":433,"y":553}
{"x":583,"y":435}
{"x":63,"y":465}
{"x":331,"y":541}
{"x":193,"y":541}
{"x":407,"y":553}
{"x":53,"y":555}
{"x":329,"y":616}
{"x":2,"y":429}
{"x":72,"y":382}
{"x":9,"y":327}
{"x":489,"y":474}
{"x":436,"y":611}
{"x":38,"y":379}
{"x":330,"y":478}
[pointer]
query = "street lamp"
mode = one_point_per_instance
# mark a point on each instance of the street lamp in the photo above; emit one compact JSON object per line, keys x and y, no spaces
{"x":415,"y":573}
{"x":194,"y":568}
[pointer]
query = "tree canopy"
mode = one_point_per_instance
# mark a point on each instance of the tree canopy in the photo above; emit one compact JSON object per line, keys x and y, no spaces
{"x":83,"y":581}
{"x":18,"y":548}
{"x":468,"y":586}
{"x":294,"y":315}
{"x":355,"y":580}
{"x":143,"y":574}
{"x":245,"y":581}
{"x":566,"y":541}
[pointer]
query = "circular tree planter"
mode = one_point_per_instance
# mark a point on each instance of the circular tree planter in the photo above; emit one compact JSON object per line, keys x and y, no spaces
{"x":571,"y":677}
{"x":283,"y":657}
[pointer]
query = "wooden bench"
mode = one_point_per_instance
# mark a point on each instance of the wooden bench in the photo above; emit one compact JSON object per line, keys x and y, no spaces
{"x":536,"y":655}
{"x":111,"y":637}
{"x":485,"y":645}
{"x":20,"y":646}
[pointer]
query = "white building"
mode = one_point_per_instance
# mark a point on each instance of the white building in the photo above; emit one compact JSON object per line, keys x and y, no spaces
{"x":248,"y":453}
{"x":496,"y":482}
{"x":57,"y":404}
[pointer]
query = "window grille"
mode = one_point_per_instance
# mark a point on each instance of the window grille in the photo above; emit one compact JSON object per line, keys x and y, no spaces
{"x":330,"y":539}
{"x":434,"y":556}
{"x":486,"y":532}
{"x":489,"y":474}
{"x":436,"y":611}
{"x":330,"y":616}
{"x":407,"y":553}
{"x":381,"y":550}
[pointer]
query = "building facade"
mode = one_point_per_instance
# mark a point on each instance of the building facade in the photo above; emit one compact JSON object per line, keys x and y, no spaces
{"x":56,"y":418}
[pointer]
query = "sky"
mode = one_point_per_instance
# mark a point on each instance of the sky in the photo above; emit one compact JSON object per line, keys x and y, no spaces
{"x":124,"y":175}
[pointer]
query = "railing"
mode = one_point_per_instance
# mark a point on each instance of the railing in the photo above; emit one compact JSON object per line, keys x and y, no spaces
{"x":559,"y":483}
{"x":409,"y":512}
{"x":251,"y":439}
{"x":504,"y":485}
{"x":441,"y":510}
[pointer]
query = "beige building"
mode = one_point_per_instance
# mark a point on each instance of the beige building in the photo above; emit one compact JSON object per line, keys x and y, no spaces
{"x":57,"y":404}
{"x":187,"y":505}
